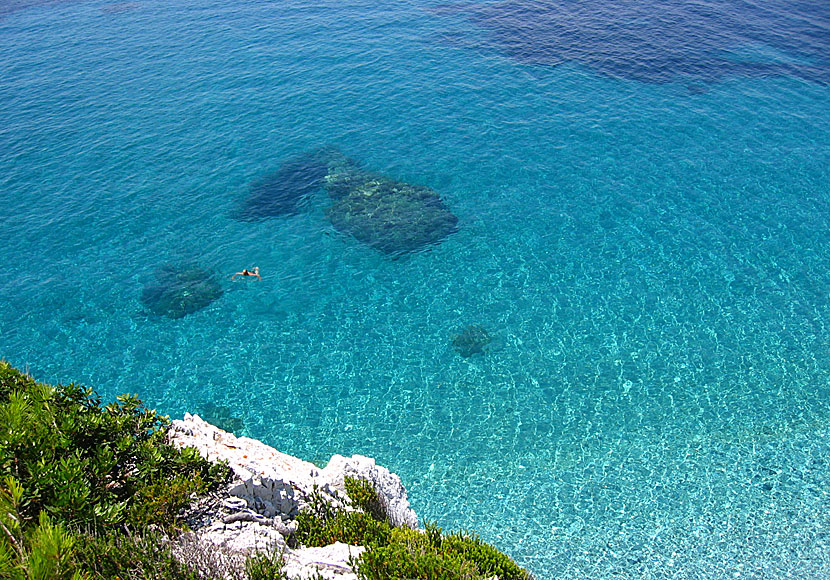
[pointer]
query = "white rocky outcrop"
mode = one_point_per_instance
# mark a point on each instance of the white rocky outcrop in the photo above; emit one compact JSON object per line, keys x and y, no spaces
{"x":330,"y":562}
{"x":269,"y":488}
{"x":387,"y":484}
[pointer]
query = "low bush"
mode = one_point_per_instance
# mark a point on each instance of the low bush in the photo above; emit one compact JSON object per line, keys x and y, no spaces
{"x":265,"y":567}
{"x":92,"y":466}
{"x":136,"y":557}
{"x":432,"y":555}
{"x":400,"y":553}
{"x":322,"y":524}
{"x":364,"y":496}
{"x":413,"y":554}
{"x":489,"y":561}
{"x":69,"y":464}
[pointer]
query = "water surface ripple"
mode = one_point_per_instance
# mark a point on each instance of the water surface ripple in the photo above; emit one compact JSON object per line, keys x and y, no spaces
{"x":615,"y":365}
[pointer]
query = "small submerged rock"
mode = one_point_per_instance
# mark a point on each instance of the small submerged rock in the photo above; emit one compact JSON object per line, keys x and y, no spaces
{"x":179,"y":291}
{"x":220,"y":415}
{"x":472,"y":339}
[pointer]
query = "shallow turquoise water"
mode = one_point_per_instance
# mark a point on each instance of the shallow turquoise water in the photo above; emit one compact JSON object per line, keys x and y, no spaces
{"x":652,"y":260}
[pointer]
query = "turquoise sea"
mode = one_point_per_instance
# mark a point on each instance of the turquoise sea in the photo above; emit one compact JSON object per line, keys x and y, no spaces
{"x":641,"y":254}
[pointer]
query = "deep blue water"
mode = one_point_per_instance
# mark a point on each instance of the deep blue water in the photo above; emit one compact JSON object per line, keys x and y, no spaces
{"x":642,"y":194}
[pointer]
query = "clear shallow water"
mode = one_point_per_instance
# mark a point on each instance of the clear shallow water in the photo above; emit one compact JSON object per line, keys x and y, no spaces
{"x":650,"y":255}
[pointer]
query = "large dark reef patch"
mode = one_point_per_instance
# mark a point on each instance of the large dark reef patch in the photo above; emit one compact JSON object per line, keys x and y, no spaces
{"x":658,"y":41}
{"x":391,"y":216}
{"x":179,"y":291}
{"x":285,"y":191}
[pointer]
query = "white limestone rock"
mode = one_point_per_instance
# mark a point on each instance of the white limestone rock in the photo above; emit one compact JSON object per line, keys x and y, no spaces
{"x":330,"y":562}
{"x":276,"y":484}
{"x":269,"y":488}
{"x":243,"y":537}
{"x":265,"y":478}
{"x":388,"y":485}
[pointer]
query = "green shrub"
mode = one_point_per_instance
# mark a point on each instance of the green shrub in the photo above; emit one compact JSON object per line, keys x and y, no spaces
{"x":46,"y":551}
{"x":265,"y":567}
{"x":143,"y":557}
{"x":69,"y":464}
{"x":160,"y":500}
{"x":354,"y":528}
{"x":364,"y":496}
{"x":413,"y":554}
{"x":321,"y":525}
{"x":431,"y":555}
{"x":489,"y":560}
{"x":88,"y":465}
{"x":400,"y":553}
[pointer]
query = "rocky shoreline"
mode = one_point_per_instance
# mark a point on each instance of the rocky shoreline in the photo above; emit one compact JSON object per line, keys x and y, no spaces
{"x":256,"y":511}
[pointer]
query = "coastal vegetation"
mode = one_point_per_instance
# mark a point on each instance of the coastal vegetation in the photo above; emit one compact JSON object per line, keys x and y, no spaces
{"x":398,"y":553}
{"x":92,"y":491}
{"x":80,"y":483}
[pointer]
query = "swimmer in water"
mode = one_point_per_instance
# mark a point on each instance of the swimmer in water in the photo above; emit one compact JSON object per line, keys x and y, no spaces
{"x":247,"y":272}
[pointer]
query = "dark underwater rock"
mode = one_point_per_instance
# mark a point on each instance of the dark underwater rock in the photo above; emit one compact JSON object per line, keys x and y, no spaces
{"x":285,"y":191}
{"x":178,"y":292}
{"x":391,"y":216}
{"x":472,"y":339}
{"x":656,"y":42}
{"x":220,"y":416}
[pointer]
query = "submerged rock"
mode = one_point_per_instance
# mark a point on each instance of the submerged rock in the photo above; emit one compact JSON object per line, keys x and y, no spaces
{"x":178,"y":292}
{"x":286,"y":191}
{"x":220,"y":415}
{"x":472,"y":339}
{"x":655,"y":42}
{"x":391,"y":216}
